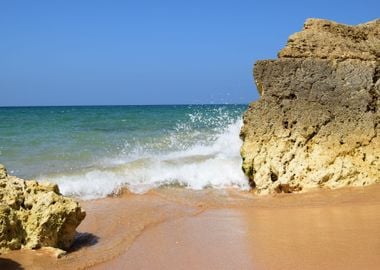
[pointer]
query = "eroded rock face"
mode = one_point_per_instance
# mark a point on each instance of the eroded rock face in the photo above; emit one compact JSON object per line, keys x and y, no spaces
{"x":317,"y":121}
{"x":34,"y":215}
{"x":330,"y":40}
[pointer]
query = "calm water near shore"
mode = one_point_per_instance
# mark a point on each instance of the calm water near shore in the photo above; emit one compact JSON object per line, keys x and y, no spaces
{"x":92,"y":151}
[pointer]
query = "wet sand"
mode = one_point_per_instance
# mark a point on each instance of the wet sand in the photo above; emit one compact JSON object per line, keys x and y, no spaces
{"x":175,"y":228}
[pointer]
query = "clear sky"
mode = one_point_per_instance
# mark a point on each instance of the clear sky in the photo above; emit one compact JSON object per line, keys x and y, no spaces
{"x":77,"y":52}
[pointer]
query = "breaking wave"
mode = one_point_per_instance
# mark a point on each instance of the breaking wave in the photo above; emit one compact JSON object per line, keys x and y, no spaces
{"x":189,"y":156}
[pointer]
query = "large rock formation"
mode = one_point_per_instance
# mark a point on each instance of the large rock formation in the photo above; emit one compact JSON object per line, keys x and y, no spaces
{"x":34,"y":215}
{"x":317,"y":121}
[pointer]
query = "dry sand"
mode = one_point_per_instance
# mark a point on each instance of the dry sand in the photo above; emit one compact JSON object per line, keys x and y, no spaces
{"x":174,"y":228}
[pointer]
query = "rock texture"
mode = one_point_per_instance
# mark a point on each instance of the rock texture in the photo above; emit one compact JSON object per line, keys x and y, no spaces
{"x":34,"y":215}
{"x":317,"y":121}
{"x":329,"y":40}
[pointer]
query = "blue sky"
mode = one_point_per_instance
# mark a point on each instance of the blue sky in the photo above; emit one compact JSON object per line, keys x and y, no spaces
{"x":148,"y":52}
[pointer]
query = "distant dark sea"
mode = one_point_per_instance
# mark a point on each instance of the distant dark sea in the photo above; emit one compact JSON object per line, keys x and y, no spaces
{"x":92,"y":151}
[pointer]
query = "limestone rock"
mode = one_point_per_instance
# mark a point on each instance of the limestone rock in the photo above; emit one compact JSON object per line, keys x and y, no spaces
{"x":326,"y":39}
{"x":317,"y":121}
{"x":11,"y":231}
{"x":3,"y":171}
{"x":34,"y":215}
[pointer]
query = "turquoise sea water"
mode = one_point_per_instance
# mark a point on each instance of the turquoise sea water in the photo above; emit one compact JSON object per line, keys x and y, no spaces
{"x":93,"y":151}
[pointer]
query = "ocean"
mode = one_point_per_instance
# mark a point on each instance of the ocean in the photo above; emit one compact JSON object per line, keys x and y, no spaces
{"x":93,"y":151}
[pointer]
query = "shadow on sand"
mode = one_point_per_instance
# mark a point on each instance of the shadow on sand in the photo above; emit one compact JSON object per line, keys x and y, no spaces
{"x":83,"y":240}
{"x":8,"y":264}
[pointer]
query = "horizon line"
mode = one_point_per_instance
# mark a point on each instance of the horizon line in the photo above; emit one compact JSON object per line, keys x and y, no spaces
{"x":121,"y":105}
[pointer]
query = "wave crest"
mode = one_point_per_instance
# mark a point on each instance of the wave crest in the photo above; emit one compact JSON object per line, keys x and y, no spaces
{"x":202,"y":152}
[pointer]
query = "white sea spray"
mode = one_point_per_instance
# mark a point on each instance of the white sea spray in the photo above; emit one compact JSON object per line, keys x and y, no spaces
{"x":188,"y":157}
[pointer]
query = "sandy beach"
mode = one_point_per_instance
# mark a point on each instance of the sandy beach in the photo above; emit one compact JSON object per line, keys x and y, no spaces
{"x":192,"y":135}
{"x":173,"y":228}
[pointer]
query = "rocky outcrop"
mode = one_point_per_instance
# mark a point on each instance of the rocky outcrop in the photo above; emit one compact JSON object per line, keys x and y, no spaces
{"x":325,"y":39}
{"x":34,"y":215}
{"x":317,"y":121}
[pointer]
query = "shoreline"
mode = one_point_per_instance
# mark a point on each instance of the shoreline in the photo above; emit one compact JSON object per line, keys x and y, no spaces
{"x":178,"y":228}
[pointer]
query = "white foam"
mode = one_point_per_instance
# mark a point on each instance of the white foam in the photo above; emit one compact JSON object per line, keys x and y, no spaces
{"x":214,"y":164}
